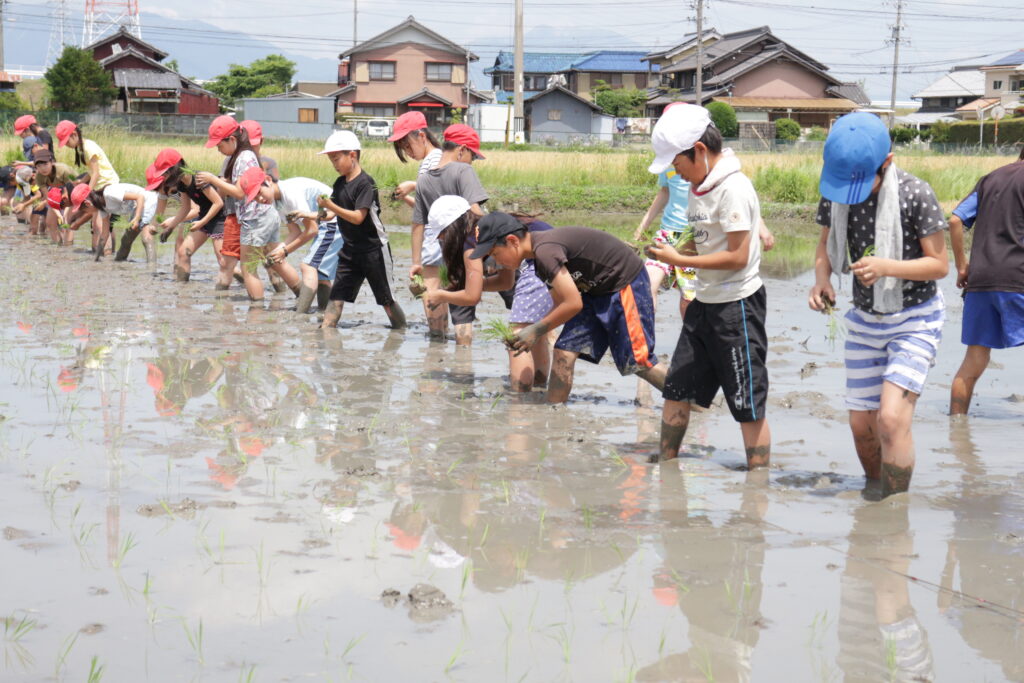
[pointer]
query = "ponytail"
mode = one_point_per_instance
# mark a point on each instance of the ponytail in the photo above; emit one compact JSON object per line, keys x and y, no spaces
{"x":453,"y":246}
{"x":80,"y":159}
{"x":243,"y":145}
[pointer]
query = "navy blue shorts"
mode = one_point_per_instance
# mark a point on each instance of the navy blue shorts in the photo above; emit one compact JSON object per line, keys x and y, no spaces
{"x":993,"y":319}
{"x":622,"y":321}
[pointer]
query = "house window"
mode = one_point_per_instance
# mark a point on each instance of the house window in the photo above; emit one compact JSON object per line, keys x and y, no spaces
{"x":997,"y":85}
{"x":554,"y":114}
{"x":611,"y":79}
{"x":439,"y":71}
{"x":309,"y":115}
{"x":375,"y":109}
{"x":536,"y":82}
{"x":382,"y":71}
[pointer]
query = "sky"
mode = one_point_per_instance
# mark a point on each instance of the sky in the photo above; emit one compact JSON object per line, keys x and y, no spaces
{"x":853,"y":39}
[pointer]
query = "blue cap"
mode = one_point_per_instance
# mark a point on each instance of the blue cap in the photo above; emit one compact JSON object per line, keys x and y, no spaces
{"x":856,"y":147}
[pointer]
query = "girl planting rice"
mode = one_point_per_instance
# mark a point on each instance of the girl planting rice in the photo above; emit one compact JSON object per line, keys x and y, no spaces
{"x":91,"y":156}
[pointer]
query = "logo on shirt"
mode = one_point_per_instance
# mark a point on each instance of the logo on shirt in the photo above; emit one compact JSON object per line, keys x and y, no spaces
{"x":583,"y":284}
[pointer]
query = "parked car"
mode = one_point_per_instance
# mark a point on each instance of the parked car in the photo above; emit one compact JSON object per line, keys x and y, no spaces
{"x":378,"y":128}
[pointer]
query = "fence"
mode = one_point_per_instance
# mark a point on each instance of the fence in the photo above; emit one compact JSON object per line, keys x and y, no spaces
{"x":165,"y":124}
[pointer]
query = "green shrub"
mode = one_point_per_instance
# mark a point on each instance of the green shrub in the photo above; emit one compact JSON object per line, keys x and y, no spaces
{"x":787,"y":185}
{"x":903,"y":135}
{"x":817,"y":133}
{"x":924,"y":134}
{"x":724,"y":118}
{"x":787,"y":130}
{"x":940,"y":131}
{"x":1010,"y":130}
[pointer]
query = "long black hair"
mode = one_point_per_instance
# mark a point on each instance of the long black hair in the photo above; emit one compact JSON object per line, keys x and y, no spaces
{"x":80,"y":159}
{"x":243,"y":145}
{"x":453,"y":246}
{"x":398,"y":143}
{"x":97,"y":199}
{"x":174,"y":178}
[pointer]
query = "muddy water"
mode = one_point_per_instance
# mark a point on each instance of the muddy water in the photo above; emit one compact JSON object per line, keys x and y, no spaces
{"x":196,"y":489}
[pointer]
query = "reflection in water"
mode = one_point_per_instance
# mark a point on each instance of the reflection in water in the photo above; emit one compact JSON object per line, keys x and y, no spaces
{"x":987,"y":546}
{"x":880,"y":636}
{"x":714,"y":575}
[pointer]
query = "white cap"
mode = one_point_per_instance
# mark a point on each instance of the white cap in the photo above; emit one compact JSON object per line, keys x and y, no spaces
{"x":341,"y":141}
{"x":23,"y":173}
{"x":678,"y":129}
{"x":445,"y":211}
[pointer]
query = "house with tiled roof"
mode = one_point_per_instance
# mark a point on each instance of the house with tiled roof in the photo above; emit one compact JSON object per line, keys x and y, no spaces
{"x":947,"y":97}
{"x":408,"y":67}
{"x":763,"y":77}
{"x":146,"y":85}
{"x":575,"y":71}
{"x":1004,"y":79}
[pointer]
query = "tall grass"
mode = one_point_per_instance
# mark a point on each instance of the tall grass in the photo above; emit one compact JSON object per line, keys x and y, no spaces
{"x":555,"y":180}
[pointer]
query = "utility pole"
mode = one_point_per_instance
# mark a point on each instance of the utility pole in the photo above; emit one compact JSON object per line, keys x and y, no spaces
{"x":517,"y":65}
{"x":896,"y":40}
{"x":2,"y":3}
{"x":355,"y":22}
{"x":699,"y":76}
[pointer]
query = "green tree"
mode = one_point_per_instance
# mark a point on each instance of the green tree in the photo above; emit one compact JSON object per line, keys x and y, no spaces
{"x":172,"y":64}
{"x":724,"y":118}
{"x":267,"y":76}
{"x":787,"y":130}
{"x":11,"y":102}
{"x":940,"y":131}
{"x":619,"y":101}
{"x":77,"y":82}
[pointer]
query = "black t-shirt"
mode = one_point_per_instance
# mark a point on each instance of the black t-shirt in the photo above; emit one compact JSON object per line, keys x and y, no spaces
{"x":196,"y":194}
{"x":997,"y":253}
{"x":598,"y":262}
{"x":360,"y":193}
{"x":920,"y":216}
{"x":43,"y":137}
{"x":7,"y":177}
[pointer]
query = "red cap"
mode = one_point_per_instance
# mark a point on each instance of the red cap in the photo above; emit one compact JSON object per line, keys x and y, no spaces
{"x":407,"y":123}
{"x":79,"y":195}
{"x":53,"y":197}
{"x":166,"y":159}
{"x":22,"y":123}
{"x":63,"y":131}
{"x":255,"y":131}
{"x":66,"y":380}
{"x":402,"y":540}
{"x":461,"y":134}
{"x":221,"y":127}
{"x":154,"y":178}
{"x":251,"y":182}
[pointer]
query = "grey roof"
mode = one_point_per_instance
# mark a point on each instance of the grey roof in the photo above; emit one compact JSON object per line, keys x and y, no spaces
{"x":689,"y":39}
{"x":124,"y":33}
{"x":850,"y":91}
{"x":132,"y":52}
{"x":144,"y":78}
{"x":381,"y":40}
{"x":781,"y":52}
{"x":732,"y":44}
{"x":659,"y":96}
{"x":425,"y":92}
{"x":570,"y":93}
{"x":960,"y":83}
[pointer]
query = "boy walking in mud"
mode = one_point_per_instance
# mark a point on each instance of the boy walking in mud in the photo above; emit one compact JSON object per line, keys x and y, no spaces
{"x":723,"y":344}
{"x":366,"y":254}
{"x":889,"y":224}
{"x":993,"y":280}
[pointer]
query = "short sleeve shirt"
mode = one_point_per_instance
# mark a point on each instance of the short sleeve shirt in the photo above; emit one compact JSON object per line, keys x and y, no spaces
{"x":27,"y":143}
{"x":967,"y":210}
{"x":360,"y":193}
{"x":197,"y":194}
{"x":44,"y":138}
{"x":920,"y":216}
{"x":300,"y":194}
{"x":62,"y":174}
{"x":430,"y":161}
{"x":997,"y":251}
{"x":673,"y":216}
{"x":117,"y":205}
{"x":108,"y":176}
{"x":270,"y":166}
{"x":247,"y":211}
{"x":599,"y":263}
{"x":454,"y":178}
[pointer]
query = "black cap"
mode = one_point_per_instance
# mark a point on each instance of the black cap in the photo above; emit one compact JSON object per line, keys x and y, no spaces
{"x":41,"y":156}
{"x":491,"y":230}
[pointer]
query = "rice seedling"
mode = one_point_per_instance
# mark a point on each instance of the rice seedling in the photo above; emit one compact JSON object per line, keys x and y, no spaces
{"x":62,"y":654}
{"x":15,"y":629}
{"x":467,"y":571}
{"x":442,"y":273}
{"x":95,"y":670}
{"x":834,"y":329}
{"x":195,"y":638}
{"x":247,"y":675}
{"x":498,"y":329}
{"x":123,"y":549}
{"x":453,"y":660}
{"x":254,"y":259}
{"x":869,"y":251}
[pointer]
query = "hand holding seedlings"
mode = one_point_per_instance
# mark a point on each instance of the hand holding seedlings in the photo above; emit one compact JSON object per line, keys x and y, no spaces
{"x":870,"y":269}
{"x":524,"y":339}
{"x":417,"y":286}
{"x":497,"y":329}
{"x":434,"y":298}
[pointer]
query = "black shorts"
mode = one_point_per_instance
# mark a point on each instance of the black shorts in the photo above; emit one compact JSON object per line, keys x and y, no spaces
{"x":722,"y":346}
{"x":462,"y":315}
{"x":353,"y":268}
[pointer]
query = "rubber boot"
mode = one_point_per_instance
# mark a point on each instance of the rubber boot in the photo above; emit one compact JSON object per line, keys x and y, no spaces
{"x":323,"y":295}
{"x":305,"y":300}
{"x":127,"y":239}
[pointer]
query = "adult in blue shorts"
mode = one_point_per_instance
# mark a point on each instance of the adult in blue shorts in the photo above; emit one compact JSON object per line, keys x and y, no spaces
{"x":993,"y":279}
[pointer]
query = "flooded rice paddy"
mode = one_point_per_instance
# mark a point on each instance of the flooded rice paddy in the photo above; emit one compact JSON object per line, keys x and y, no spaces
{"x":199,"y":489}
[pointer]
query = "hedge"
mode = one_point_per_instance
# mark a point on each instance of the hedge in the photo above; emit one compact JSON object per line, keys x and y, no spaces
{"x":1010,"y":130}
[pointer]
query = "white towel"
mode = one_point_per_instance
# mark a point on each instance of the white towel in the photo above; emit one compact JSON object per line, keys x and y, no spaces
{"x":888,"y":291}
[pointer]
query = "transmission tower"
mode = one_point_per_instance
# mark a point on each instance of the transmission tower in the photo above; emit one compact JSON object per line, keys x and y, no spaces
{"x":59,"y":33}
{"x":103,"y":17}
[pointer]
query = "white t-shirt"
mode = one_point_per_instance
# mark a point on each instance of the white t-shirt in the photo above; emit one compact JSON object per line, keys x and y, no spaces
{"x":300,"y":194}
{"x":118,"y":206}
{"x":730,"y":205}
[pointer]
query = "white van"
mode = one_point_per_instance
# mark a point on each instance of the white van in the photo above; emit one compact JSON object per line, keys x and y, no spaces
{"x":378,"y":128}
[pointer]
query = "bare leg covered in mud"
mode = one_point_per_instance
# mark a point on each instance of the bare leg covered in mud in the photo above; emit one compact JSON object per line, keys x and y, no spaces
{"x":883,"y":438}
{"x":332,"y":314}
{"x":563,"y":364}
{"x":528,"y":370}
{"x":975,"y":362}
{"x":437,"y":317}
{"x":675,"y":419}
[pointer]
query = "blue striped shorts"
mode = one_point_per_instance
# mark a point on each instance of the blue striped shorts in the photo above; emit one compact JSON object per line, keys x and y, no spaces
{"x":898,"y":348}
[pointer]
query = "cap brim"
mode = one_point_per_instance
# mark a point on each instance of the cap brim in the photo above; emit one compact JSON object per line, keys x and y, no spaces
{"x":662,"y":163}
{"x":155,"y":184}
{"x":398,"y":136}
{"x":62,"y":142}
{"x":213,"y":142}
{"x":842,"y":190}
{"x":483,"y":249}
